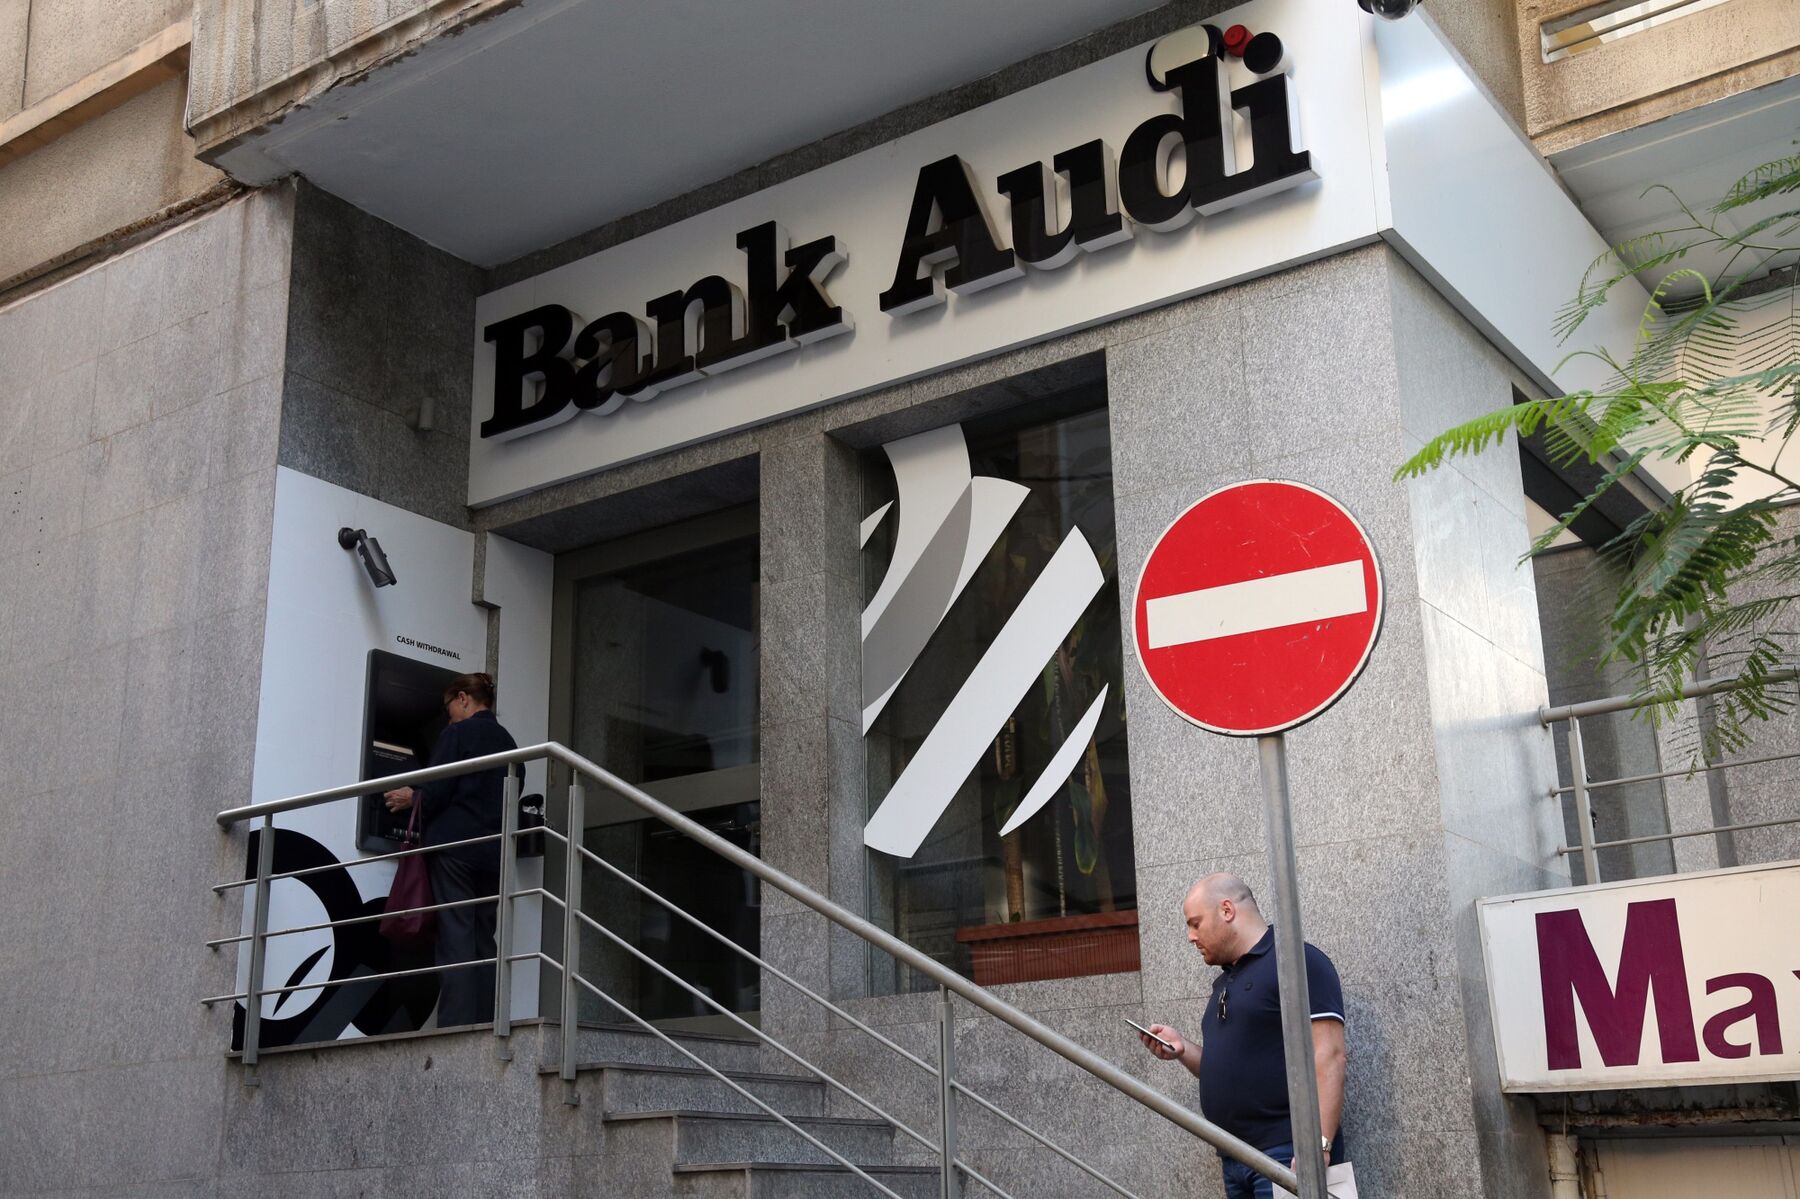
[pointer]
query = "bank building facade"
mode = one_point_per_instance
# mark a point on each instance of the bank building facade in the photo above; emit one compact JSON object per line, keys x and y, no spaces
{"x":780,"y":403}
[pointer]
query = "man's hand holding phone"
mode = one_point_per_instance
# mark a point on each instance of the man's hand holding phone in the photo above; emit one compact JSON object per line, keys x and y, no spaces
{"x":1162,"y":1041}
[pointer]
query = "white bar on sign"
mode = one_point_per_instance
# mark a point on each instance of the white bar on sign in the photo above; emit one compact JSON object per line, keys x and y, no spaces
{"x":1298,"y":597}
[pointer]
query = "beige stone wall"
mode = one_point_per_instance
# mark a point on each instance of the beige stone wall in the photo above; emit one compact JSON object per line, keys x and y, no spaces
{"x":1485,"y":33}
{"x":71,"y":38}
{"x":1652,"y":74}
{"x":106,"y":175}
{"x":253,"y":62}
{"x":92,"y":138}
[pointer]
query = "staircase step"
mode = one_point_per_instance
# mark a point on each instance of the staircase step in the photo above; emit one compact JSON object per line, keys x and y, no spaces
{"x":629,"y":1043}
{"x":628,"y":1087}
{"x":793,"y":1180}
{"x":710,"y":1138}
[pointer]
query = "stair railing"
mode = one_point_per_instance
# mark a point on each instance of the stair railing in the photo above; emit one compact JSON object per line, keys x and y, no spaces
{"x":953,"y":1169}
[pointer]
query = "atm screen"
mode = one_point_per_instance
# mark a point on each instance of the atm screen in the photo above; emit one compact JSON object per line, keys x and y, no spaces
{"x":403,"y":713}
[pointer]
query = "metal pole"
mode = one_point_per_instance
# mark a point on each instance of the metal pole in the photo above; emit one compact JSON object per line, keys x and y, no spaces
{"x":1584,"y":814}
{"x":503,"y":910}
{"x":1290,"y":969}
{"x":571,"y":946}
{"x":259,"y":933}
{"x":951,"y":1184}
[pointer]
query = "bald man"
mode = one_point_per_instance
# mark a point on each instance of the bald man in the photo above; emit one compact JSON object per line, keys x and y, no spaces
{"x":1239,"y":1059}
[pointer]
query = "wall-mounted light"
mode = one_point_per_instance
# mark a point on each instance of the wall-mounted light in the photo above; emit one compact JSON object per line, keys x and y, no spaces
{"x":369,"y":550}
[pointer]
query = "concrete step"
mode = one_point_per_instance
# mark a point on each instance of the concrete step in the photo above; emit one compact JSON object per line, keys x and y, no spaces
{"x":629,"y":1043}
{"x":627,"y":1087}
{"x":710,"y":1138}
{"x":791,"y":1180}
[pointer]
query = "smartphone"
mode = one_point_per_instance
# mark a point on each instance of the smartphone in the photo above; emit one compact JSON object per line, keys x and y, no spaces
{"x":1151,"y":1035}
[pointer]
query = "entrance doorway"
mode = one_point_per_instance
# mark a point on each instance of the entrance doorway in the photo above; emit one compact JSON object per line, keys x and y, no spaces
{"x":655,"y":677}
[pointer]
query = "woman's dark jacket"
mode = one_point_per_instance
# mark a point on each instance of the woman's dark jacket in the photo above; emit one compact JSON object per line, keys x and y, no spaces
{"x":469,"y":805}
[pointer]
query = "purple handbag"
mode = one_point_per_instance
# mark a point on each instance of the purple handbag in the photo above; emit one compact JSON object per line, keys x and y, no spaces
{"x":411,"y":889}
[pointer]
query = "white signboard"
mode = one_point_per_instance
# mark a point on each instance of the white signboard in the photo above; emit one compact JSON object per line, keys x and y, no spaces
{"x":1685,"y":979}
{"x":1201,"y":172}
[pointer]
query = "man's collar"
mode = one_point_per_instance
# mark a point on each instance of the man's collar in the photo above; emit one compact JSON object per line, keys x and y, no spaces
{"x":1264,"y":943}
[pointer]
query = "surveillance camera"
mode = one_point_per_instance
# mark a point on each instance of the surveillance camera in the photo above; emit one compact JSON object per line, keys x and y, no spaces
{"x":369,"y":550}
{"x":1388,"y":10}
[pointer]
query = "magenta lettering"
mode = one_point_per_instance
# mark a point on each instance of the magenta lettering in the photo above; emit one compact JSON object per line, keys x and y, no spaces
{"x":1650,"y":964}
{"x":1761,"y":1005}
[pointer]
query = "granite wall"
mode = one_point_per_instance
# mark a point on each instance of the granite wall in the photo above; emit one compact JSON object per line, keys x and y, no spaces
{"x":138,"y":411}
{"x":1420,"y":792}
{"x":376,"y":391}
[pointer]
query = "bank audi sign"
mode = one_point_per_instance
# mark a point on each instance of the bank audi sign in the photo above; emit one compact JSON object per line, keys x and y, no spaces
{"x":1687,"y":979}
{"x":1214,"y":154}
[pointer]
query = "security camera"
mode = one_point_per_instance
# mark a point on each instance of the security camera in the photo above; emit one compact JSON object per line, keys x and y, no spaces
{"x":1388,"y":10}
{"x":369,"y":550}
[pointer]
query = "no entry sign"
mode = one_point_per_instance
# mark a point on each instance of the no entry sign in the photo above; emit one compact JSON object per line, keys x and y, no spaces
{"x":1257,"y":607}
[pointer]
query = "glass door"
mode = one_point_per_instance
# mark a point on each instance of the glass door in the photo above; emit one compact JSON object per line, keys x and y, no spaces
{"x":656,"y":679}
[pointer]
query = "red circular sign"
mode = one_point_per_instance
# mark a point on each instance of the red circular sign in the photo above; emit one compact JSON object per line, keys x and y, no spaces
{"x":1257,"y":607}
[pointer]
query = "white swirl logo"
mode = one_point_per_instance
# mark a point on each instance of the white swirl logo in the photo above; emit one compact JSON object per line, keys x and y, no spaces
{"x":949,"y":520}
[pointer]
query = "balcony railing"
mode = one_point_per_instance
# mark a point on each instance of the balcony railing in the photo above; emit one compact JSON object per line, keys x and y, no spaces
{"x":1581,"y":788}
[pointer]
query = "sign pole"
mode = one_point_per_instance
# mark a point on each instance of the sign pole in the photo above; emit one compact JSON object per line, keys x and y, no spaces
{"x":1255,"y":611}
{"x":1290,"y":967}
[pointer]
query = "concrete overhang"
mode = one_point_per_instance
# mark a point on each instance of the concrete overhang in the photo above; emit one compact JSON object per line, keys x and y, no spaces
{"x":505,"y":127}
{"x":1634,"y":183}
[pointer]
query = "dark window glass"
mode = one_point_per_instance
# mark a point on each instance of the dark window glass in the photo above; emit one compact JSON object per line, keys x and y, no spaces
{"x":1057,"y":897}
{"x":665,"y":696}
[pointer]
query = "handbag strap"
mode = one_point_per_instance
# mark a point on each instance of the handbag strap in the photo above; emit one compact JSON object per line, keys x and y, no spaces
{"x":412,"y":821}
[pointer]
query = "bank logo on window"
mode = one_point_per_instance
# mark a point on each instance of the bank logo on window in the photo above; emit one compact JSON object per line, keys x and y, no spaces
{"x":949,"y":519}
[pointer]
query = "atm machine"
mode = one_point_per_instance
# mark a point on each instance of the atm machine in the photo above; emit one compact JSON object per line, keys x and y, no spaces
{"x":403,"y":713}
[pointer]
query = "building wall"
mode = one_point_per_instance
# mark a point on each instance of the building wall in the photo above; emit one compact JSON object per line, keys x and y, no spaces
{"x":139,"y":403}
{"x":71,"y":38}
{"x":1767,"y":791}
{"x":90,"y":147}
{"x":104,"y":175}
{"x":1653,"y":73}
{"x":253,"y":62}
{"x":1418,"y":793}
{"x":378,"y":333}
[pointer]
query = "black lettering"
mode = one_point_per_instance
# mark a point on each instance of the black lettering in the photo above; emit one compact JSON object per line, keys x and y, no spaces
{"x":805,"y":306}
{"x":612,"y":368}
{"x":715,"y":327}
{"x":516,"y":366}
{"x":1277,"y":166}
{"x":1200,"y":128}
{"x":947,"y":222}
{"x":1093,"y":210}
{"x":786,"y":314}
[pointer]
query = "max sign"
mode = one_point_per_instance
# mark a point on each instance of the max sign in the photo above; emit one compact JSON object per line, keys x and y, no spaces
{"x":550,"y":363}
{"x":1690,"y":979}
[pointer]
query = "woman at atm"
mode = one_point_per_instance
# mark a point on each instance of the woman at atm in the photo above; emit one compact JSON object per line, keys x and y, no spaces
{"x":457,"y":809}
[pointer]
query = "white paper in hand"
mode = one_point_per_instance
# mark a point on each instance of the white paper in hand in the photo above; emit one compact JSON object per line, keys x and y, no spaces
{"x":1340,"y":1183}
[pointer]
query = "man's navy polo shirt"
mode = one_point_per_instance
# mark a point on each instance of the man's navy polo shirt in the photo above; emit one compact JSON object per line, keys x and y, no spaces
{"x":1243,"y":1071}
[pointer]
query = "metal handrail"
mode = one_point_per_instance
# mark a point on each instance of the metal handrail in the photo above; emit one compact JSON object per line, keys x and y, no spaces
{"x":834,"y":1009}
{"x":221,"y":888}
{"x":739,"y":1088}
{"x":1581,"y":787}
{"x":1651,"y":838}
{"x":688,"y":987}
{"x":948,"y":981}
{"x":216,"y":942}
{"x":820,"y":1073}
{"x":1699,"y":689}
{"x":1674,"y":774}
